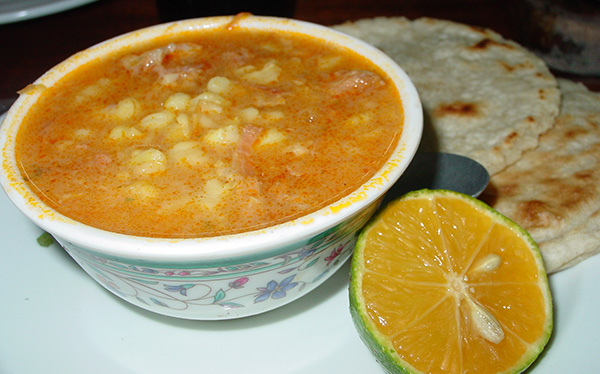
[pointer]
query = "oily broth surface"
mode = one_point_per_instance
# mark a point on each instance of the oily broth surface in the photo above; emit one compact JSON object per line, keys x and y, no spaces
{"x":147,"y":143}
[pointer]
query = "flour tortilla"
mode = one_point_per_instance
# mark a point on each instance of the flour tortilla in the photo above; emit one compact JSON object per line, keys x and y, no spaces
{"x":483,"y":96}
{"x":554,"y":191}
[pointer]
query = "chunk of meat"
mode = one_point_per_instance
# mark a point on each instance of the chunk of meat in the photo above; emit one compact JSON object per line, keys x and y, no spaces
{"x":243,"y":153}
{"x":353,"y":82}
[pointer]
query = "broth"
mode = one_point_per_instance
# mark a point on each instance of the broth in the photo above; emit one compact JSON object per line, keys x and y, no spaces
{"x":209,"y":133}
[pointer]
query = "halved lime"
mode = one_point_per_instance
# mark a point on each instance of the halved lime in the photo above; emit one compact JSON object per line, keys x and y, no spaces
{"x":442,"y":283}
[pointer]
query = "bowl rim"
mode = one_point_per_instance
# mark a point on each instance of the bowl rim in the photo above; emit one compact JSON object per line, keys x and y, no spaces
{"x":244,"y":244}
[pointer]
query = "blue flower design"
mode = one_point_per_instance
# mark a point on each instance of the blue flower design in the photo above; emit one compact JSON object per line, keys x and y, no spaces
{"x":143,"y":270}
{"x":275,"y":290}
{"x":304,"y":253}
{"x":182,"y":289}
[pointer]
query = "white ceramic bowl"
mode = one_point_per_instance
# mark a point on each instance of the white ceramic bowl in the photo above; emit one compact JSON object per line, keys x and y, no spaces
{"x":219,"y":277}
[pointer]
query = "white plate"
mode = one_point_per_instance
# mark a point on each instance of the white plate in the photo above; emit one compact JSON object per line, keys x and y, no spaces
{"x":56,"y":319}
{"x":20,"y":10}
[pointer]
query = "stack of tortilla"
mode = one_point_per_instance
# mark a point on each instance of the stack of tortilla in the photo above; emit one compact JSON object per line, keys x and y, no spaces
{"x":489,"y":98}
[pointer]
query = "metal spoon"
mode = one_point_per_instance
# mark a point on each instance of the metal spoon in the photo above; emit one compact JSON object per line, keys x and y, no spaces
{"x":438,"y":170}
{"x":5,"y":104}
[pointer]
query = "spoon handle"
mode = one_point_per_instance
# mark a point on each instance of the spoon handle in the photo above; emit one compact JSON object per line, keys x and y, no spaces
{"x":5,"y":104}
{"x":439,"y":170}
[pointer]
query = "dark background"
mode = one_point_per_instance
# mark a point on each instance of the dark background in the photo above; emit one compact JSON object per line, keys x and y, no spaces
{"x":29,"y":48}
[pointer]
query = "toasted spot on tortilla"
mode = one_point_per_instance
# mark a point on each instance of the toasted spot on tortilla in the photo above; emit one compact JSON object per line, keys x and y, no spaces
{"x":459,"y":109}
{"x":487,"y":43}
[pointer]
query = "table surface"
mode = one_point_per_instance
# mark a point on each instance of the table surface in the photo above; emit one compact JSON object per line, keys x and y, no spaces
{"x":31,"y":47}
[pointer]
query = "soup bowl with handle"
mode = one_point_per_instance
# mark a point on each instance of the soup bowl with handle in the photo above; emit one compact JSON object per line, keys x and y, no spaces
{"x":220,"y":277}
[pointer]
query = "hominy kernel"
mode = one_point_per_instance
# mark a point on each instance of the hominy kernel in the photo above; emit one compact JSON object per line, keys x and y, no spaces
{"x":130,"y":61}
{"x":149,"y":161}
{"x":244,"y":70}
{"x":274,"y":115}
{"x":272,"y":136}
{"x":206,"y":106}
{"x":124,"y":132}
{"x":297,"y":149}
{"x":141,"y":190}
{"x":360,"y":119}
{"x":227,"y":135}
{"x":92,"y":90}
{"x":180,"y":129}
{"x":188,"y":153}
{"x":204,"y":120}
{"x":329,"y":62}
{"x":249,"y":114}
{"x":158,"y":120}
{"x":82,"y":133}
{"x":219,"y":85}
{"x":169,"y":79}
{"x":212,"y":192}
{"x":267,"y":75}
{"x":127,"y":108}
{"x":184,"y":120}
{"x":210,"y":102}
{"x":212,"y":97}
{"x":178,"y":101}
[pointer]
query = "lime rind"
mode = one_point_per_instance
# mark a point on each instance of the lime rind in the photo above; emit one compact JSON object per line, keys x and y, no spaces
{"x":380,"y":345}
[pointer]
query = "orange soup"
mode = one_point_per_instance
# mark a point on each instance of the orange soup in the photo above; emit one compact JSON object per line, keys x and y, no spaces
{"x":209,"y":133}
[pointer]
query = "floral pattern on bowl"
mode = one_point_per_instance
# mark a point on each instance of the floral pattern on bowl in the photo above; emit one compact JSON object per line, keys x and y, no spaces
{"x":225,"y":276}
{"x":231,"y":290}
